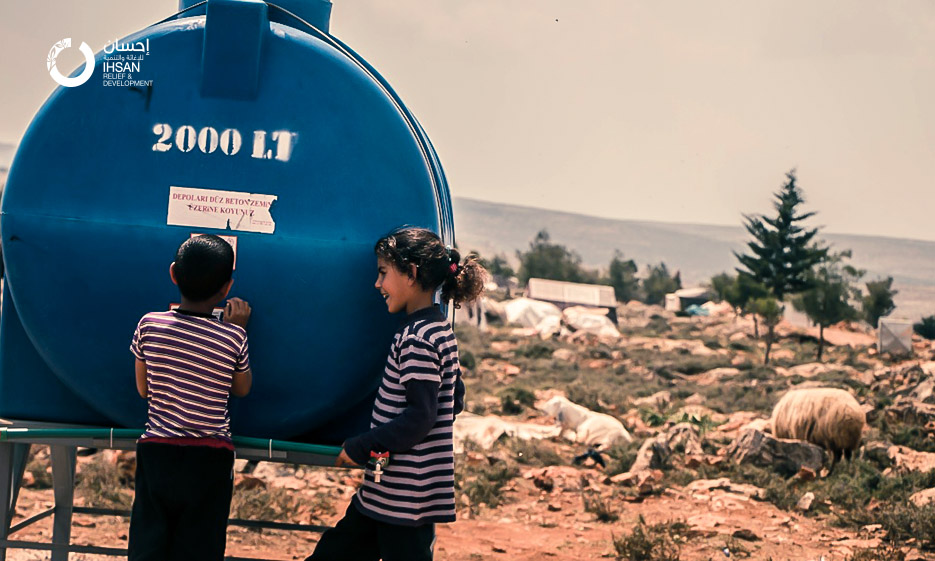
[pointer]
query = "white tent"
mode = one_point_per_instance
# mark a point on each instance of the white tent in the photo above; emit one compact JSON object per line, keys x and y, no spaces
{"x":529,"y":313}
{"x":895,"y":336}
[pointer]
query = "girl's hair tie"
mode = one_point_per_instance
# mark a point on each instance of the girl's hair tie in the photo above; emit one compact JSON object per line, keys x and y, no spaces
{"x":453,"y":268}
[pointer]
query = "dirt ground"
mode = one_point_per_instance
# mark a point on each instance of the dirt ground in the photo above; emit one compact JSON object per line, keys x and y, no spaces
{"x":533,"y":526}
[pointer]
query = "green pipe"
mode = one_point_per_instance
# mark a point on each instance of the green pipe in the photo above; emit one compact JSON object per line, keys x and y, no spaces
{"x":15,"y":433}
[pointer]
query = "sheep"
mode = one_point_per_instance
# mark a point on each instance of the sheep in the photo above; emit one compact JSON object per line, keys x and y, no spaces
{"x":828,"y":417}
{"x":589,"y":427}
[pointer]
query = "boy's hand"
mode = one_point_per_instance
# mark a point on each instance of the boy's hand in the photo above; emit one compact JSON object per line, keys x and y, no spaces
{"x":237,"y":311}
{"x":344,"y":460}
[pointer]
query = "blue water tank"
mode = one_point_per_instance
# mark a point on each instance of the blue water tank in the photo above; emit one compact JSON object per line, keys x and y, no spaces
{"x":237,"y":118}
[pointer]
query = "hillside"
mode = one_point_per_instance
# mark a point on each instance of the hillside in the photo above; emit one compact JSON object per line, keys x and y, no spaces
{"x":697,"y":251}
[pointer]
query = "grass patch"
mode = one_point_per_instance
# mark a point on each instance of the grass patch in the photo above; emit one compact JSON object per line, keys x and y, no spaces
{"x":514,"y":400}
{"x":39,"y":466}
{"x":98,"y":483}
{"x":274,"y":503}
{"x":533,"y":452}
{"x":657,"y":542}
{"x":600,"y":507}
{"x":484,"y":486}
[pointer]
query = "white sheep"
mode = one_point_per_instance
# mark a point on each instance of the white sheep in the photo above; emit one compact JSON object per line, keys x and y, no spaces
{"x":589,"y":427}
{"x":828,"y":417}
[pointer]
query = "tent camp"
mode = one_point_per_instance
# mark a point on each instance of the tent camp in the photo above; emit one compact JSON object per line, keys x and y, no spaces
{"x":685,"y":297}
{"x":895,"y":336}
{"x":566,"y":294}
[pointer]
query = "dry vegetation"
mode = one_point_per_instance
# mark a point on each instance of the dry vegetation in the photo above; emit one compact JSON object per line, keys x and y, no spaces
{"x":527,"y":499}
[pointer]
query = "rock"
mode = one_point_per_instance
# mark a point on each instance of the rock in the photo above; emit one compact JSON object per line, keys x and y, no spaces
{"x":684,"y":438}
{"x":699,"y":412}
{"x":910,"y":411}
{"x":715,"y":375}
{"x":657,"y":400}
{"x":805,"y":502}
{"x":786,"y":457}
{"x":554,"y":506}
{"x":923,"y":497}
{"x":565,"y":355}
{"x":28,"y":479}
{"x":544,"y":482}
{"x":701,"y":487}
{"x":806,"y":474}
{"x":642,"y":479}
{"x":695,"y":399}
{"x":653,"y":454}
{"x":745,"y":534}
{"x":246,"y":482}
{"x":906,"y":459}
{"x":878,"y":453}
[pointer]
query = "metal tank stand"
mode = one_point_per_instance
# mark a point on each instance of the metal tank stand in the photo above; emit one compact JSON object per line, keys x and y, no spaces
{"x":18,"y":437}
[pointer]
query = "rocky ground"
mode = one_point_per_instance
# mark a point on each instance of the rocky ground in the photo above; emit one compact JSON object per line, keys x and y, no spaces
{"x":702,"y":479}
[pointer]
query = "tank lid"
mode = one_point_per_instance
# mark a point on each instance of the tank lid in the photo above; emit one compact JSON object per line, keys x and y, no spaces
{"x":315,"y":12}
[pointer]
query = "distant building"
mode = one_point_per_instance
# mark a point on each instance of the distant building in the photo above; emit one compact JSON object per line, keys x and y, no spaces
{"x":685,"y":297}
{"x":566,"y":294}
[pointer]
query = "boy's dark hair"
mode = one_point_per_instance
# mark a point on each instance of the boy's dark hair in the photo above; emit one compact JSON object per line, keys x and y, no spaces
{"x":436,"y":264}
{"x":203,"y":265}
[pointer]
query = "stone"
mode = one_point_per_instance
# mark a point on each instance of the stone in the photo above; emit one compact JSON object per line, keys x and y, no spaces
{"x":906,"y":459}
{"x":684,"y":438}
{"x":657,"y":400}
{"x":745,"y":534}
{"x":806,"y":474}
{"x":246,"y":482}
{"x":544,"y":482}
{"x":805,"y":502}
{"x":653,"y":454}
{"x":786,"y":457}
{"x":924,"y":497}
{"x":701,"y":487}
{"x":565,"y":355}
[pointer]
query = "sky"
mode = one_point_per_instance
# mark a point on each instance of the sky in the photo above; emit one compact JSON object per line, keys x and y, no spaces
{"x":674,"y":111}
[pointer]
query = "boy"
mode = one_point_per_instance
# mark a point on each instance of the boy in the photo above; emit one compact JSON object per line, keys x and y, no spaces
{"x":187,"y":365}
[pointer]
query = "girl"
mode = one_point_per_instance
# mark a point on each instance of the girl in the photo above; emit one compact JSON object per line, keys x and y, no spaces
{"x":393,"y":515}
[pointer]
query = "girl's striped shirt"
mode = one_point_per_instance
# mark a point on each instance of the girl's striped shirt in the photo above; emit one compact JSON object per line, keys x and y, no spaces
{"x":417,"y":486}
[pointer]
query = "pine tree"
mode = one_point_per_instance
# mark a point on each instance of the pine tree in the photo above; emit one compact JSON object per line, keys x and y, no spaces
{"x":782,"y":252}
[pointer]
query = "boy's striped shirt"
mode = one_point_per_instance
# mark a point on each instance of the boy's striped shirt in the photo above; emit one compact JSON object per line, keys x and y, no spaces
{"x":190,"y":365}
{"x":416,"y":487}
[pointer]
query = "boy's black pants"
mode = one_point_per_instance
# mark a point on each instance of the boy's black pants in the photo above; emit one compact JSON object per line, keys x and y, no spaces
{"x":359,"y":538}
{"x":183,"y":496}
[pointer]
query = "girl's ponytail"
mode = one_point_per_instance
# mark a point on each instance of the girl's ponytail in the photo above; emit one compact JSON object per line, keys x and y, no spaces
{"x":465,"y":281}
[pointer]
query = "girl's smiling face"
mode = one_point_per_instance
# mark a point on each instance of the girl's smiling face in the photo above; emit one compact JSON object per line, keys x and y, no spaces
{"x":395,"y":287}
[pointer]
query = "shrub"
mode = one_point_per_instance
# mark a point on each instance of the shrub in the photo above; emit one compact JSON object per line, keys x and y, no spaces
{"x":515,"y":400}
{"x":599,"y":507}
{"x":98,"y":482}
{"x":925,"y":328}
{"x":486,"y":486}
{"x":467,"y":360}
{"x":39,"y":466}
{"x":274,"y":503}
{"x":659,"y":542}
{"x":533,"y":452}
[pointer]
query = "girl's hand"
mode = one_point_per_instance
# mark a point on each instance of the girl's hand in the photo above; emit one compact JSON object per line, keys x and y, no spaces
{"x":237,"y":311}
{"x":344,"y":460}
